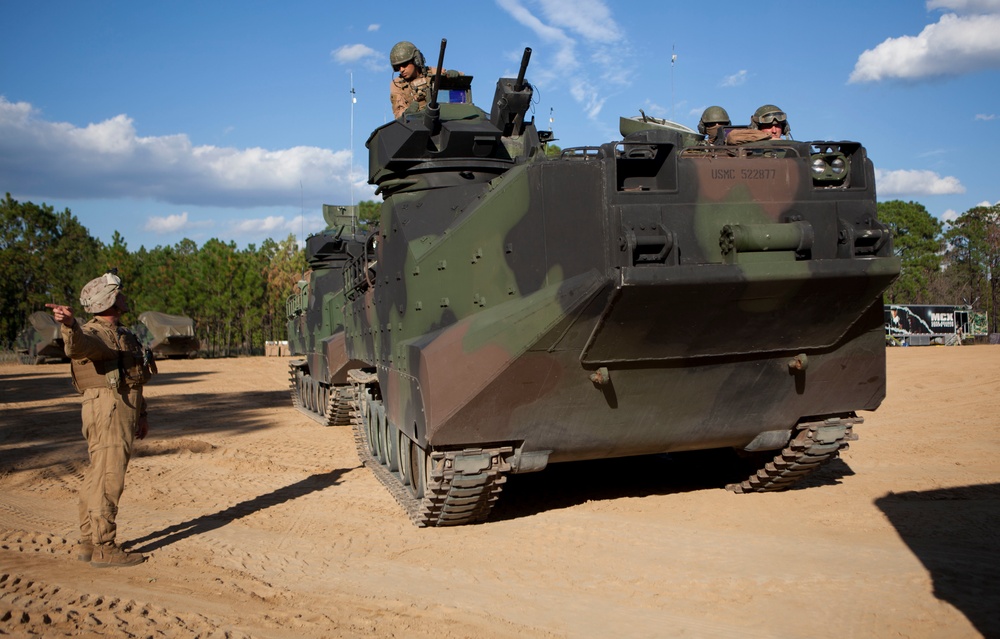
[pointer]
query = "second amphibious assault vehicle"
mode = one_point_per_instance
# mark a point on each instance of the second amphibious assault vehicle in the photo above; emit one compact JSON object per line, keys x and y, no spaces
{"x":647,"y":295}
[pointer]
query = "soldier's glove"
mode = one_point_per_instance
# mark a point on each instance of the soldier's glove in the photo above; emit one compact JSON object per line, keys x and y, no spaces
{"x":149,"y":359}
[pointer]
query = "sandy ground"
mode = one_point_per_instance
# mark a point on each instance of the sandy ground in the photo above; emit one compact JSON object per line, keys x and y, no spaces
{"x":260,"y":523}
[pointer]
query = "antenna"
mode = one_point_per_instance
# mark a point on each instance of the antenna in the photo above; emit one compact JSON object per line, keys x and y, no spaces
{"x":350,"y":173}
{"x":673,"y":59}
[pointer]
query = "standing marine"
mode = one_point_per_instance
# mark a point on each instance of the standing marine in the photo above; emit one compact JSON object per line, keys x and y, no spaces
{"x":109,"y":368}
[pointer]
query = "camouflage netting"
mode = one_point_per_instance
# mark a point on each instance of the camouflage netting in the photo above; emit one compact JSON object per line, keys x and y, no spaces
{"x":163,"y":325}
{"x":45,"y":325}
{"x":40,"y":340}
{"x":170,"y":335}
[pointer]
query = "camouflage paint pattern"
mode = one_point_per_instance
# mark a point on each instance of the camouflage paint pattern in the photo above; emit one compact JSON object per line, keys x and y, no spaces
{"x":682,"y":278}
{"x":646,"y":295}
{"x":316,"y":309}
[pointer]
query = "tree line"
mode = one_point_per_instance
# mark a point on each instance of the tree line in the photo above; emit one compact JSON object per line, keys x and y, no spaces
{"x":237,"y":296}
{"x":956,"y":265}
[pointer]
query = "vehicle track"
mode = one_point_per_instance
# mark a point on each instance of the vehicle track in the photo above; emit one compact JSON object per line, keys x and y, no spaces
{"x":816,"y":444}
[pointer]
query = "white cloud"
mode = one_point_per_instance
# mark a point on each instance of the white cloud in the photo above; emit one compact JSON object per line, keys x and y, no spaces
{"x":965,"y":6}
{"x":176,"y":223}
{"x":110,"y":160}
{"x":916,"y":182}
{"x":590,"y":18}
{"x":932,"y":153}
{"x":591,"y":101}
{"x":350,"y":54}
{"x":547,"y":33}
{"x":168,"y":224}
{"x":565,"y":23}
{"x":275,"y":225}
{"x":949,"y":216}
{"x":374,"y":27}
{"x":955,"y":45}
{"x":260,"y":225}
{"x":985,"y":118}
{"x":735,"y":80}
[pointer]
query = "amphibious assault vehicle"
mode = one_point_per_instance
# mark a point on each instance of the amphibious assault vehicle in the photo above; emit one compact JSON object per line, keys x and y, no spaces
{"x":318,"y":375}
{"x":167,"y":335}
{"x":40,"y":341}
{"x":651,"y":294}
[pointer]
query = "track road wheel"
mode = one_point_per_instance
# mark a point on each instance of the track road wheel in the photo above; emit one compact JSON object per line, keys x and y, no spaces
{"x":390,"y":442}
{"x":368,"y":423}
{"x":379,"y":431}
{"x":404,"y":447}
{"x":418,"y":470}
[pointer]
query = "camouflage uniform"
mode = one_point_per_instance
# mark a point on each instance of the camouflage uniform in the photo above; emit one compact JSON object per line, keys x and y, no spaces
{"x":402,"y":93}
{"x":745,"y":136}
{"x":106,"y":363}
{"x":109,"y":368}
{"x":767,"y":114}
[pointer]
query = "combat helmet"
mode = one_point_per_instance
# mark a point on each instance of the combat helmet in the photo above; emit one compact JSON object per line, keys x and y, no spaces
{"x":100,"y":293}
{"x":711,"y":116}
{"x":404,"y":51}
{"x":770,"y":113}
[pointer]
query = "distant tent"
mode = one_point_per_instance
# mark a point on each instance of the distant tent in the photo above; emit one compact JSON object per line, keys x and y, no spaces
{"x":167,"y":335}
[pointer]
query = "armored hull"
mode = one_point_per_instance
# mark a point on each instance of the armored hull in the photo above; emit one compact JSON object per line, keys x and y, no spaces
{"x":318,"y":374}
{"x":643,"y":296}
{"x":170,"y":336}
{"x":40,"y":341}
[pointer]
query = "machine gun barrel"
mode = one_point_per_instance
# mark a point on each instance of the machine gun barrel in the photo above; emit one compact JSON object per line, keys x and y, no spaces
{"x":437,"y":76}
{"x":524,"y":67}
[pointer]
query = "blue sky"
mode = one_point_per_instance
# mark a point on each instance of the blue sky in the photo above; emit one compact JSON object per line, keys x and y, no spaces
{"x":234,"y":120}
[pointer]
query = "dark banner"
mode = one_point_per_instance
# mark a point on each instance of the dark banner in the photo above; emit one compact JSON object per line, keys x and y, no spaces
{"x":924,"y":320}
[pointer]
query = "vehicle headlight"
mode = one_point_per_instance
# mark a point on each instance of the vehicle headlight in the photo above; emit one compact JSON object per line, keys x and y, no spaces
{"x":829,"y":167}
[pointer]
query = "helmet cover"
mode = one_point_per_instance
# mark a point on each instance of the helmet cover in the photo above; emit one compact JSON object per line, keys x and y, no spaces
{"x":100,"y":293}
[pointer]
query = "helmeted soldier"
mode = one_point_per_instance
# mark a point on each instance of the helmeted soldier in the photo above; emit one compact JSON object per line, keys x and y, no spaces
{"x":772,"y":121}
{"x":712,"y":123}
{"x":413,"y":86}
{"x":767,"y":123}
{"x":109,"y":367}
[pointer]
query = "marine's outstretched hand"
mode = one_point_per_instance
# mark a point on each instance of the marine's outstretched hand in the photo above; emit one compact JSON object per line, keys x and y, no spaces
{"x":63,"y":314}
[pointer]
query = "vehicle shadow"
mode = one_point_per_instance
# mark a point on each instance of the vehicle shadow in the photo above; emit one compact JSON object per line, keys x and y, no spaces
{"x":571,"y":484}
{"x":953,"y":531}
{"x":205,"y":523}
{"x":40,"y":423}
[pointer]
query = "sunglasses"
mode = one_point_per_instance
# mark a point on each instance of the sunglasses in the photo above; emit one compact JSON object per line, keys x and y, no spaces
{"x":400,"y":67}
{"x":773,"y":117}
